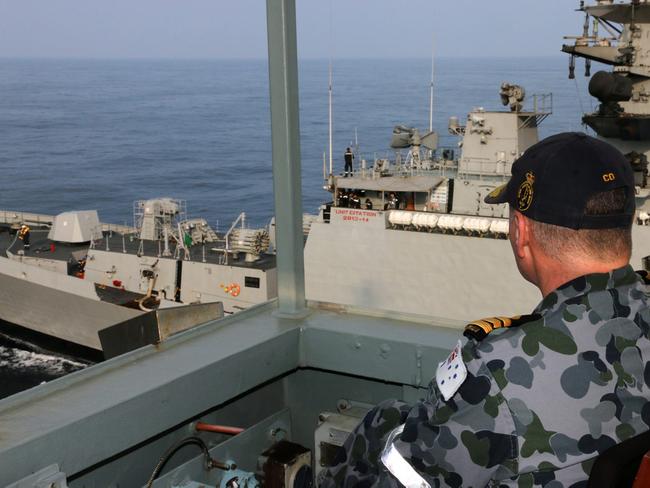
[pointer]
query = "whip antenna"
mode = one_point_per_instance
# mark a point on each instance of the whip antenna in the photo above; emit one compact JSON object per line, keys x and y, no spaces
{"x":330,"y":93}
{"x":330,"y":111}
{"x":433,"y":45}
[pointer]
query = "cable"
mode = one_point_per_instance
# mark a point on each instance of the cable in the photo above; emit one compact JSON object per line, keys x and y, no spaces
{"x":209,"y":462}
{"x":582,"y":110}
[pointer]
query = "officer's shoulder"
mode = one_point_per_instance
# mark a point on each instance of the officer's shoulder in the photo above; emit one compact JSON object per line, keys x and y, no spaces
{"x":453,"y":371}
{"x":478,"y":330}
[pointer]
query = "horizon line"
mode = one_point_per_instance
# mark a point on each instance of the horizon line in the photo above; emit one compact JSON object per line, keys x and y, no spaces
{"x":306,"y":58}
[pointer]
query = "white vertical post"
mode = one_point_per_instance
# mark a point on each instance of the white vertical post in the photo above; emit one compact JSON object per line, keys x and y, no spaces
{"x":285,"y":136}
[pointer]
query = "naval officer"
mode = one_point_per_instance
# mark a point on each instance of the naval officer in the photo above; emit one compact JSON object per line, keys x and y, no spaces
{"x":533,"y":400}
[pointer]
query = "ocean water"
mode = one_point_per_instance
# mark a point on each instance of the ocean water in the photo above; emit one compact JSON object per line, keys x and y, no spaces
{"x":84,"y":134}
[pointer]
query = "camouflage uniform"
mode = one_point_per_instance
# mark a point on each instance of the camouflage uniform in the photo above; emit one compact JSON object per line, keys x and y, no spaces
{"x":539,"y":403}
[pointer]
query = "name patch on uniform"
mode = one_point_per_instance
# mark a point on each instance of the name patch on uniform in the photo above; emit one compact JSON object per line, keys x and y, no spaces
{"x":451,"y":373}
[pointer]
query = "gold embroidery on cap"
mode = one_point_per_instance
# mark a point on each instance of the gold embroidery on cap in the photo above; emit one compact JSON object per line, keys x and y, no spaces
{"x":525,"y":192}
{"x":607,"y":177}
{"x":497,"y":191}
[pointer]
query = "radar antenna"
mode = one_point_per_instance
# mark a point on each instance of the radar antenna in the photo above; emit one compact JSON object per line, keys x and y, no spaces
{"x":513,"y":96}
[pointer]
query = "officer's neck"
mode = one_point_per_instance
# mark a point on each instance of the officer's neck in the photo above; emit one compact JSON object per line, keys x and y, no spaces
{"x":550,"y":273}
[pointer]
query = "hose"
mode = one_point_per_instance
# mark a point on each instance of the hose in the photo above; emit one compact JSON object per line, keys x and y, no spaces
{"x":209,"y":462}
{"x":152,"y":283}
{"x":142,"y":306}
{"x":219,"y":429}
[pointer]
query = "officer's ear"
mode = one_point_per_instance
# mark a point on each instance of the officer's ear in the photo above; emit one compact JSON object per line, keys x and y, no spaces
{"x":521,"y":232}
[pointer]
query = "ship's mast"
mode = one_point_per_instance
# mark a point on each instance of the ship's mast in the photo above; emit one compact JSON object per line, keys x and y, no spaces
{"x":330,"y":113}
{"x":431,"y":88}
{"x":329,"y":90}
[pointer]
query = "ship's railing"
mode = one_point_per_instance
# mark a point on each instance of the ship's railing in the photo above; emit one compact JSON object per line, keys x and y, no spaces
{"x":543,"y":103}
{"x":119,"y":229}
{"x":17,"y":217}
{"x":439,"y":166}
{"x":13,"y":217}
{"x":486,"y":168}
{"x":542,"y":108}
{"x":398,"y":164}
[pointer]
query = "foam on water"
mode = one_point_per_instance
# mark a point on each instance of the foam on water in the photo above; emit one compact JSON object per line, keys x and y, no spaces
{"x":21,"y":355}
{"x":24,"y":365}
{"x":34,"y":362}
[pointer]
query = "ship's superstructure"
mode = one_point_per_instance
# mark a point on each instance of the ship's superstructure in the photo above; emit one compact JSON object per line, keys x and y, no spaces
{"x":413,"y":235}
{"x":185,"y":260}
{"x":618,"y":34}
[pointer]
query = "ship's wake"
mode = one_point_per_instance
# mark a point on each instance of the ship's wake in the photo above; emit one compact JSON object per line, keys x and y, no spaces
{"x":16,"y":354}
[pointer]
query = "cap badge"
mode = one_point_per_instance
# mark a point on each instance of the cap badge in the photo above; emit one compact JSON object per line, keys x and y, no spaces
{"x":525,"y":192}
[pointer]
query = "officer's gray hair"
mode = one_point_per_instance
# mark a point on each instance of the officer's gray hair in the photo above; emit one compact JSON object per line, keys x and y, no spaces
{"x":567,"y":244}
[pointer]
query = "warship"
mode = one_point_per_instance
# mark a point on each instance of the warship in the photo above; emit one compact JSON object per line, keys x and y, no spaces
{"x":266,"y":397}
{"x":114,"y":287}
{"x":420,"y":224}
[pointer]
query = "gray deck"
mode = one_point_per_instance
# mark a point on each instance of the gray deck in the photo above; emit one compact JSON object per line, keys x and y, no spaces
{"x":41,"y":247}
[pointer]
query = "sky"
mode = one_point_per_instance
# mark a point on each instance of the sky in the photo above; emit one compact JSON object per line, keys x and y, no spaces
{"x":236,"y":29}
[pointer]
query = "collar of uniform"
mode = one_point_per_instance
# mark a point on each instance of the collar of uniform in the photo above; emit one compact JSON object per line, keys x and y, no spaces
{"x":582,"y":285}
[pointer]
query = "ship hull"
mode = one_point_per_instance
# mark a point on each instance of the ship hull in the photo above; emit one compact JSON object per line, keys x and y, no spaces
{"x":54,"y":304}
{"x":37,"y":294}
{"x":448,"y":279}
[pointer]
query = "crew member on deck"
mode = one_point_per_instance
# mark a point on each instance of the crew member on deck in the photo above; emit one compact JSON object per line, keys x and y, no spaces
{"x":343,"y":198}
{"x":393,"y":202}
{"x":349,"y":158}
{"x":355,"y":201}
{"x":23,"y":235}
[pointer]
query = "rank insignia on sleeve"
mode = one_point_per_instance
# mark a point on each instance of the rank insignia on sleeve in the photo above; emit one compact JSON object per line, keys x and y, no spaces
{"x":451,"y":373}
{"x":479,"y":329}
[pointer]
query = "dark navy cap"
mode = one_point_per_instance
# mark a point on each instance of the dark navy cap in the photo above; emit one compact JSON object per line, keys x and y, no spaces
{"x":553,"y":180}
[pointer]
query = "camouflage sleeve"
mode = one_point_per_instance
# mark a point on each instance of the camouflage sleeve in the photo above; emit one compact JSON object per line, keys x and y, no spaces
{"x":465,"y":441}
{"x":358,"y":463}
